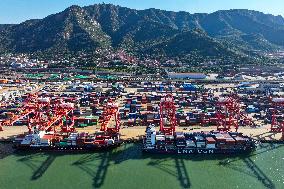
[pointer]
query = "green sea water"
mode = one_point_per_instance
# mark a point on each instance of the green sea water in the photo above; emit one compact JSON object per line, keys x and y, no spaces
{"x":127,"y":168}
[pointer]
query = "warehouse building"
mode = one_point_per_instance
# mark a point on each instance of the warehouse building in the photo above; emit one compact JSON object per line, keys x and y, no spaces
{"x":173,"y":75}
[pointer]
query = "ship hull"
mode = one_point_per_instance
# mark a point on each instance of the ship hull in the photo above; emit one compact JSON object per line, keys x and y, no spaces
{"x":197,"y":151}
{"x":86,"y":148}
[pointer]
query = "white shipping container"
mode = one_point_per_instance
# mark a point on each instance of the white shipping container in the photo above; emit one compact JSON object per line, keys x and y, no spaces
{"x":190,"y":143}
{"x":200,"y":144}
{"x":211,"y":146}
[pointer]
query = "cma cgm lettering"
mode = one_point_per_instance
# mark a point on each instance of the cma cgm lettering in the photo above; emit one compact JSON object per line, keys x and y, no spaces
{"x":193,"y":151}
{"x":185,"y":151}
{"x":205,"y":151}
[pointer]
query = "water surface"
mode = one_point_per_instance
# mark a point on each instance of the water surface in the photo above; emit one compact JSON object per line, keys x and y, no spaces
{"x":126,"y":167}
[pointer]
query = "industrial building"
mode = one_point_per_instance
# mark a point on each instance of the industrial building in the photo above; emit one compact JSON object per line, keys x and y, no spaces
{"x":173,"y":75}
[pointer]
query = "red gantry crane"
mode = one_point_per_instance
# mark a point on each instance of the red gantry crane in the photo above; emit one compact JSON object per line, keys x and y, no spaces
{"x":40,"y":105}
{"x":227,"y":114}
{"x":109,"y":116}
{"x":230,"y":114}
{"x":29,"y":105}
{"x":168,"y":120}
{"x":57,"y":115}
{"x":277,"y":122}
{"x":44,"y":114}
{"x":110,"y":111}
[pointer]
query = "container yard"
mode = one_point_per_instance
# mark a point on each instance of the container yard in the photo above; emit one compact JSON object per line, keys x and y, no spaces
{"x":128,"y":108}
{"x":124,"y":94}
{"x":96,"y":129}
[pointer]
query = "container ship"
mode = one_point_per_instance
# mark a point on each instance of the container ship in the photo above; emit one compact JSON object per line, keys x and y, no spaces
{"x":42,"y":141}
{"x":215,"y":142}
{"x":46,"y":137}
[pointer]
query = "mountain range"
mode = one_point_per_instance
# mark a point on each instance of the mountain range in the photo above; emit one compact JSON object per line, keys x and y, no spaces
{"x":151,"y":31}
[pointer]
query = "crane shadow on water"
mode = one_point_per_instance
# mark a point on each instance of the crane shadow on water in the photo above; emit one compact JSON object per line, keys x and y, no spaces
{"x":250,"y":168}
{"x":96,"y":165}
{"x":180,"y":173}
{"x":88,"y":163}
{"x":38,"y":163}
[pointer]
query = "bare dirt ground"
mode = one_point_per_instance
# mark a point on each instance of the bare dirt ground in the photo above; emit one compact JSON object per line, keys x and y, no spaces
{"x":137,"y":131}
{"x":257,"y":133}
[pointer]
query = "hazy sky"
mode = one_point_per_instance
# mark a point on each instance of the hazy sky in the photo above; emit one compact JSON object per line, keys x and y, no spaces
{"x":16,"y":11}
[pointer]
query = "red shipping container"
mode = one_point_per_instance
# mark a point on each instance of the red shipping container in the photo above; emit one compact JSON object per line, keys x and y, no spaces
{"x":210,"y":140}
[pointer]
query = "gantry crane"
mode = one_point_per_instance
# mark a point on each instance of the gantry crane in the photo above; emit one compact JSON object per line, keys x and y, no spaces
{"x":277,"y":121}
{"x":44,"y":114}
{"x":230,"y":114}
{"x":29,"y":105}
{"x":109,"y":116}
{"x":110,"y":111}
{"x":168,"y":120}
{"x":57,"y":115}
{"x":226,"y":114}
{"x":39,"y":106}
